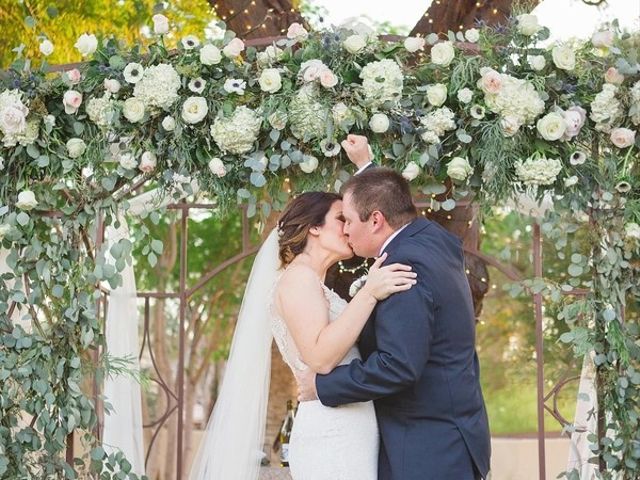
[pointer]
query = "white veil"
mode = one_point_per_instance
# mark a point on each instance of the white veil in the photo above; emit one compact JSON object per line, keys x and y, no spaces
{"x":231,"y":448}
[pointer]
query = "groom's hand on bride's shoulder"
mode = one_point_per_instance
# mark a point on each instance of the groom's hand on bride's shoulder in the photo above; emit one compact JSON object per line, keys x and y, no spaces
{"x":357,"y":149}
{"x":306,"y":380}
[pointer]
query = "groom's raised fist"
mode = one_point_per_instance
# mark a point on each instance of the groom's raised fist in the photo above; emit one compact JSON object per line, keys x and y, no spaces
{"x":357,"y":149}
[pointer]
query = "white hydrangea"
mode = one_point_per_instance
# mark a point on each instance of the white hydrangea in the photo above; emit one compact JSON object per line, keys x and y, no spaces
{"x":606,"y":109}
{"x":31,"y":132}
{"x":538,"y":170}
{"x":100,"y":110}
{"x":389,"y":89}
{"x":307,"y":116}
{"x":634,"y":109}
{"x":159,"y":86}
{"x":13,"y":117}
{"x":436,"y":124}
{"x":511,"y":98}
{"x":237,"y":133}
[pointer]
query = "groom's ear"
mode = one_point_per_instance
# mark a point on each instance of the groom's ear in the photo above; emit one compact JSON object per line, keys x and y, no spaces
{"x":377,"y":220}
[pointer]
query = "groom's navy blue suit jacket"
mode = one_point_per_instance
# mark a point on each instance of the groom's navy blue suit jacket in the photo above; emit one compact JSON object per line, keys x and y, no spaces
{"x":420,"y":366}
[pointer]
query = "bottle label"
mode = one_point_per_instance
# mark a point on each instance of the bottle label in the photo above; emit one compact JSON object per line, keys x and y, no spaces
{"x":284,"y":453}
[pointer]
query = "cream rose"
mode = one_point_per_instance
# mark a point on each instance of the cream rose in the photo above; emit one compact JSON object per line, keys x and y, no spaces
{"x":490,"y":82}
{"x":234,"y":48}
{"x":459,"y":169}
{"x":472,"y":35}
{"x":437,"y":94}
{"x":148,"y":162}
{"x":328,"y":79}
{"x":270,"y":80}
{"x":354,"y":43}
{"x":574,"y":117}
{"x":86,"y":44}
{"x":379,"y":123}
{"x":623,"y":137}
{"x":442,"y":54}
{"x":26,"y":200}
{"x":612,"y":75}
{"x":46,"y":48}
{"x":194,"y":109}
{"x":76,"y":147}
{"x":465,"y":95}
{"x":160,"y":24}
{"x":510,"y":125}
{"x":297,"y":32}
{"x":309,"y":164}
{"x":217,"y":167}
{"x":133,"y":109}
{"x":411,"y":171}
{"x":528,"y":24}
{"x":168,"y":123}
{"x":552,"y":126}
{"x":414,"y":44}
{"x":603,"y":39}
{"x":128,"y":161}
{"x":564,"y":57}
{"x":537,"y":62}
{"x":210,"y":55}
{"x":112,"y":85}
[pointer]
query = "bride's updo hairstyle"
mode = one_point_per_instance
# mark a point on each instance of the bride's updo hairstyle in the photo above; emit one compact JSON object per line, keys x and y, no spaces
{"x":305,"y":211}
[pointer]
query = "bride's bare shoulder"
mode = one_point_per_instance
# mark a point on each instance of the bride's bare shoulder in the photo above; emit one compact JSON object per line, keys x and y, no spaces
{"x":298,"y":278}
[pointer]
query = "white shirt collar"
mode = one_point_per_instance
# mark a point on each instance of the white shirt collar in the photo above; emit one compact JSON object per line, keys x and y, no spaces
{"x":363,"y":168}
{"x":391,"y":237}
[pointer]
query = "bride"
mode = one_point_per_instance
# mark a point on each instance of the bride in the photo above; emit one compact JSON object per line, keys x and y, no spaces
{"x":314,"y":328}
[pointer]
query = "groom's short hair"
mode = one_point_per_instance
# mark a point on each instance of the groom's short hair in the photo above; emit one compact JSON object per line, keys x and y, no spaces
{"x":384,"y":190}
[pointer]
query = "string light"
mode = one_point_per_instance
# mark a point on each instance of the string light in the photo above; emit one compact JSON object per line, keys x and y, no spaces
{"x":343,"y":269}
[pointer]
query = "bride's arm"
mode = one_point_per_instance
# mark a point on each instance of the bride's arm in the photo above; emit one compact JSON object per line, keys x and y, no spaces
{"x":323,"y":344}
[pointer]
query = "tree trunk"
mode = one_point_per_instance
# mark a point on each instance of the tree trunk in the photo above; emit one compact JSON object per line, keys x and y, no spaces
{"x":442,"y":16}
{"x":257,"y":19}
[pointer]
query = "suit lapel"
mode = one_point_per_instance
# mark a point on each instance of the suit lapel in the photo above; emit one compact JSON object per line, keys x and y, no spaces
{"x":414,"y":227}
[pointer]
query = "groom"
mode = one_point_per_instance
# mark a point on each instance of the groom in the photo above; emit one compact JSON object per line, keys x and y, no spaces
{"x":419,"y":362}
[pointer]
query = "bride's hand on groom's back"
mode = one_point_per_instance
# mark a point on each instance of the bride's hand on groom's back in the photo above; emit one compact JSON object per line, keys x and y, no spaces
{"x":383,"y":281}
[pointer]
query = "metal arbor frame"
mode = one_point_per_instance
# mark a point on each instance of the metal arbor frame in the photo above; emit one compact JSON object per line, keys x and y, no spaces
{"x":175,"y":398}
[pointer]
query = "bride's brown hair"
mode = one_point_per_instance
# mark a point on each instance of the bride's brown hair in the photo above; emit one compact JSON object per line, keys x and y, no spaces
{"x":305,"y":211}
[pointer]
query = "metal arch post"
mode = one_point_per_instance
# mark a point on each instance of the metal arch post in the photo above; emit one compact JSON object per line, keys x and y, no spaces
{"x":537,"y":304}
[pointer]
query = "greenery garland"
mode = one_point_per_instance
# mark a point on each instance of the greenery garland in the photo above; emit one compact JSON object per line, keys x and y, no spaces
{"x":488,"y":112}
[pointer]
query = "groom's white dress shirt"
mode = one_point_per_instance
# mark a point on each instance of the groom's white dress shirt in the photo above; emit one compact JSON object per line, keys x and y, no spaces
{"x":391,"y":237}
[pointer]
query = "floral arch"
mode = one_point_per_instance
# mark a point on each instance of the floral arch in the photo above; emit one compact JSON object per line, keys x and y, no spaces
{"x":486,"y":113}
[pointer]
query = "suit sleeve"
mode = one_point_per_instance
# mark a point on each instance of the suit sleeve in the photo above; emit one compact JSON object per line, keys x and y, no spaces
{"x":404,"y":328}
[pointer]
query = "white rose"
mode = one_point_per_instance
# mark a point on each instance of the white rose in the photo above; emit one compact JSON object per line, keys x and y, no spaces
{"x":213,"y":31}
{"x":46,"y":48}
{"x":309,"y":164}
{"x":133,"y":109}
{"x":160,"y":24}
{"x":379,"y":123}
{"x":71,"y":101}
{"x":472,"y":35}
{"x":603,"y":39}
{"x":411,"y":171}
{"x":612,"y":75}
{"x":210,"y":55}
{"x":148,"y":162}
{"x":571,"y":181}
{"x":528,"y":24}
{"x":623,"y":137}
{"x":26,"y":200}
{"x":437,"y":94}
{"x":491,"y":81}
{"x":133,"y":72}
{"x":354,"y":43}
{"x":76,"y":147}
{"x":270,"y":80}
{"x":86,"y":44}
{"x":194,"y":109}
{"x":328,"y":79}
{"x":13,"y":119}
{"x":278,"y":120}
{"x":632,"y":230}
{"x":552,"y":126}
{"x":128,"y":161}
{"x":413,"y":44}
{"x":442,"y":54}
{"x":168,"y":123}
{"x":537,"y":62}
{"x":269,"y":55}
{"x":312,"y":69}
{"x":4,"y":229}
{"x":233,"y":48}
{"x":510,"y":125}
{"x":112,"y":85}
{"x":465,"y":95}
{"x":297,"y":32}
{"x":564,"y":57}
{"x":217,"y":167}
{"x":459,"y":169}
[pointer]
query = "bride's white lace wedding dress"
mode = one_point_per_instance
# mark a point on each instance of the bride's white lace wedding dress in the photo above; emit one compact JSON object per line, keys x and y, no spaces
{"x":328,"y":443}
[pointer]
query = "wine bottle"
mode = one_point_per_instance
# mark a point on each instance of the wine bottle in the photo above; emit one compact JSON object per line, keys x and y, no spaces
{"x":285,"y":434}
